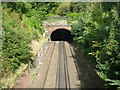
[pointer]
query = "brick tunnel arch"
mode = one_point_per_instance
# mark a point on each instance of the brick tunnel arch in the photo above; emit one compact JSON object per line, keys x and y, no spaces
{"x":61,"y":34}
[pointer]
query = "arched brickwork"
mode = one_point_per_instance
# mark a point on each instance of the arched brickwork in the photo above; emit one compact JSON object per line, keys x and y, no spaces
{"x":50,"y":28}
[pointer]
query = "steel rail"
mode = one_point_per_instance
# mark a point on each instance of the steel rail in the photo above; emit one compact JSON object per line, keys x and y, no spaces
{"x":49,"y":65}
{"x":62,"y":79}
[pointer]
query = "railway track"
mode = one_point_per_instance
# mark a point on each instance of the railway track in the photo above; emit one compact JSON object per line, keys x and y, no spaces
{"x":62,"y":70}
{"x":58,"y":69}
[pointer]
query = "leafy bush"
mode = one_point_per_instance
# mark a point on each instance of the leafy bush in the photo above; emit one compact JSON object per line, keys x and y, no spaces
{"x":22,"y":23}
{"x":98,"y":33}
{"x":16,"y":49}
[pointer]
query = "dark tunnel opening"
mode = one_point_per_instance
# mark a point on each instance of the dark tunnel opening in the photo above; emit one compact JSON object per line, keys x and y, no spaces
{"x":61,"y":35}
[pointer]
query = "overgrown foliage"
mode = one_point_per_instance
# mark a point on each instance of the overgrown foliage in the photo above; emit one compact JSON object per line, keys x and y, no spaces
{"x":22,"y":23}
{"x":95,"y":27}
{"x":97,"y":30}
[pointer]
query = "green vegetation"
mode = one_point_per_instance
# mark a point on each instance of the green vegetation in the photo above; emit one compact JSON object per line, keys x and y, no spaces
{"x":19,"y":31}
{"x":22,"y":23}
{"x":97,"y":30}
{"x":95,"y":27}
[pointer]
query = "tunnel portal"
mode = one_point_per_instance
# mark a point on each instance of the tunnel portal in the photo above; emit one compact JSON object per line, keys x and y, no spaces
{"x":61,"y":35}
